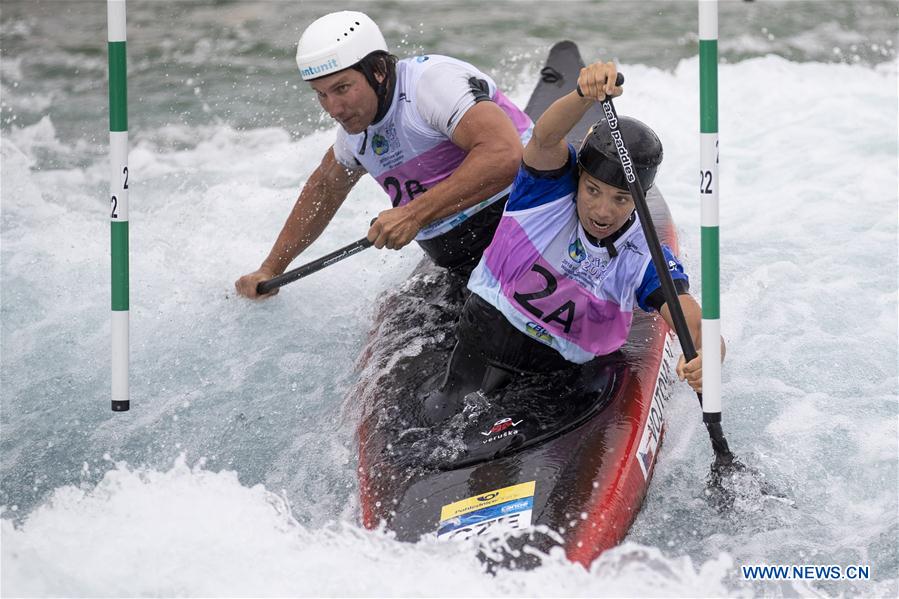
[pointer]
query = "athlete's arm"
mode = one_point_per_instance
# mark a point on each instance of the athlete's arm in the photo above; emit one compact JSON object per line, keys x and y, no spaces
{"x":548,"y":150}
{"x":321,"y":196}
{"x":690,"y":371}
{"x":493,"y":145}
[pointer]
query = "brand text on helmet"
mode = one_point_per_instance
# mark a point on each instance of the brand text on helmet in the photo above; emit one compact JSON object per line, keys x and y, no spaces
{"x":320,"y":68}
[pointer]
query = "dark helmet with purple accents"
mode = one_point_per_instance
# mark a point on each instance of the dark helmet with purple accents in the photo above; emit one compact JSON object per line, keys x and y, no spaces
{"x":598,"y":155}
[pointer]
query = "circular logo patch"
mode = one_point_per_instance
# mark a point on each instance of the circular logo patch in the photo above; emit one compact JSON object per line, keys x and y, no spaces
{"x":576,"y":251}
{"x":379,"y":144}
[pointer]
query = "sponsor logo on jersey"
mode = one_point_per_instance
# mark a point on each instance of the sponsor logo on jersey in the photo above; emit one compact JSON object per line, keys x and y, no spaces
{"x":630,"y":245}
{"x":538,"y":332}
{"x":421,"y":58}
{"x":576,"y":251}
{"x":380,"y":144}
{"x":386,"y":146}
{"x":590,"y":271}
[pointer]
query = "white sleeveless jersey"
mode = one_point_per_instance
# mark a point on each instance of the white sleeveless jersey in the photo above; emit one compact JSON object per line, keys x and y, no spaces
{"x":551,"y":282}
{"x":410,"y":150}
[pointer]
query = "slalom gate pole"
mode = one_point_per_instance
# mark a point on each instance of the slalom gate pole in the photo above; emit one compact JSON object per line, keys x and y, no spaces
{"x":118,"y":191}
{"x":708,"y":194}
{"x":723,"y":456}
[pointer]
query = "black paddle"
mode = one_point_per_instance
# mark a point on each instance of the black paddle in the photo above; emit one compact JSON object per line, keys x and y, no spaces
{"x":724,"y":459}
{"x":316,"y":265}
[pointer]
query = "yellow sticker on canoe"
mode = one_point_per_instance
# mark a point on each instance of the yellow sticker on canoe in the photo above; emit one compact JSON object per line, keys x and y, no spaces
{"x":488,"y":499}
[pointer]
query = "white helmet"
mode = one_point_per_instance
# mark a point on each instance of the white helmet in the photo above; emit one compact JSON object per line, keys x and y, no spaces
{"x":337,"y":41}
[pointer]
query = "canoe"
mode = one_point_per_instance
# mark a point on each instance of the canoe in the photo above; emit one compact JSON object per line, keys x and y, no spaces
{"x":562,"y":459}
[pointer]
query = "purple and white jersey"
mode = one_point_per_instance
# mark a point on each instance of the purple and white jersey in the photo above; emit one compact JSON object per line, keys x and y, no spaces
{"x":552,"y":283}
{"x":410,"y":150}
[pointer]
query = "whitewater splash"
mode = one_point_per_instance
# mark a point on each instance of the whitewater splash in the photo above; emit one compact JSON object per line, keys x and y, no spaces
{"x":809,"y":213}
{"x":191,"y":532}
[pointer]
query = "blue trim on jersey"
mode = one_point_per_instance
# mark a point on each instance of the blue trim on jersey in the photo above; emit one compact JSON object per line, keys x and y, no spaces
{"x":651,"y":280}
{"x":531,"y":190}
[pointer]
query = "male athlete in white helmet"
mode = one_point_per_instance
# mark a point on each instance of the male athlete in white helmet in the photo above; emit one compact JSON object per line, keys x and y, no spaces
{"x":435,"y":132}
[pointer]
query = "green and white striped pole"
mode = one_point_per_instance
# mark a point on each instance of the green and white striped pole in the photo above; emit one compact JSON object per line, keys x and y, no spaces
{"x":708,"y":193}
{"x":118,"y":191}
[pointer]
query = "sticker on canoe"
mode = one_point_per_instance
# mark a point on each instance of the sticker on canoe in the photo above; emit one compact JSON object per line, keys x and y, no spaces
{"x":509,"y":507}
{"x":652,"y":431}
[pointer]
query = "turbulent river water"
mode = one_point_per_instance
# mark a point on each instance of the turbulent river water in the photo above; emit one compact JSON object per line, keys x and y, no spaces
{"x":234,"y":472}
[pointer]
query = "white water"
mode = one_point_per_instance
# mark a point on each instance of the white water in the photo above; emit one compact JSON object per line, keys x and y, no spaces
{"x":250,"y":393}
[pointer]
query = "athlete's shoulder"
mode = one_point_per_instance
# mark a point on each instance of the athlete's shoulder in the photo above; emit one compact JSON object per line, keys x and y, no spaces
{"x":442,"y":89}
{"x":533,"y":188}
{"x":424,"y":61}
{"x":436,"y":67}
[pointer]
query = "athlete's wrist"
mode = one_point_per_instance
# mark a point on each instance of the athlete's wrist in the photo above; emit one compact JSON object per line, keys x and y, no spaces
{"x":414,"y":213}
{"x":273,"y":265}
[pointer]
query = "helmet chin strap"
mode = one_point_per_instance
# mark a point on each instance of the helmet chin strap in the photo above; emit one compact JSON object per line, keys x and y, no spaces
{"x":383,"y":90}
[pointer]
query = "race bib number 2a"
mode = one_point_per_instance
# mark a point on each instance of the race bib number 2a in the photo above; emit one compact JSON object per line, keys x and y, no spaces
{"x":564,"y":313}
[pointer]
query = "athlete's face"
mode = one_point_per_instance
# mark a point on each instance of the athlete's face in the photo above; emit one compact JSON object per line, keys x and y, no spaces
{"x":601,"y":208}
{"x":348,"y":98}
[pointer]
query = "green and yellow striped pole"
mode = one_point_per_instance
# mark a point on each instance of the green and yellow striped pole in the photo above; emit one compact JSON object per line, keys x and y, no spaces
{"x":708,"y":193}
{"x":118,"y":191}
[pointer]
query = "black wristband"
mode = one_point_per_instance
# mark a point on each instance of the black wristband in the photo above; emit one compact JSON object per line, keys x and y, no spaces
{"x":577,"y":88}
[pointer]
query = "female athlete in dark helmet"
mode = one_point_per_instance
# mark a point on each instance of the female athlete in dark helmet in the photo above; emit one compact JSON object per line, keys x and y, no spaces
{"x":569,"y":262}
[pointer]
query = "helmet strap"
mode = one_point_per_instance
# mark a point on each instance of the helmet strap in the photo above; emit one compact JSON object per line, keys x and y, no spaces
{"x":383,"y":89}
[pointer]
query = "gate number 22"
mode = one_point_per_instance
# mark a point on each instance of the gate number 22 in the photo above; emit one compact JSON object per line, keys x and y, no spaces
{"x":705,"y":182}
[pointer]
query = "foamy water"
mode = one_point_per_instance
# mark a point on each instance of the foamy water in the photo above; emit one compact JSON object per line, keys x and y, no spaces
{"x":234,"y":472}
{"x":189,"y":531}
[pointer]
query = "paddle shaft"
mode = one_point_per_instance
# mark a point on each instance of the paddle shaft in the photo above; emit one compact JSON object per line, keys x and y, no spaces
{"x":652,"y":238}
{"x":712,"y":420}
{"x":316,"y":265}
